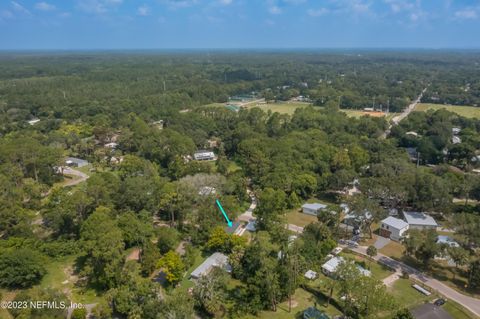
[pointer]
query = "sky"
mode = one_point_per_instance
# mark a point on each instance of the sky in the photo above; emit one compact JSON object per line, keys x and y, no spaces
{"x":233,"y":24}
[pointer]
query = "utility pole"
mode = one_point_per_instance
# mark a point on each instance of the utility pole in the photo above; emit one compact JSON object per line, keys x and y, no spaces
{"x":418,"y":159}
{"x":164,"y":86}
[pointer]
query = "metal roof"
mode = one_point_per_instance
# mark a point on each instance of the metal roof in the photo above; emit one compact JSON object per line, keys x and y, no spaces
{"x":418,"y":218}
{"x":314,"y":206}
{"x":215,"y":260}
{"x":395,"y":222}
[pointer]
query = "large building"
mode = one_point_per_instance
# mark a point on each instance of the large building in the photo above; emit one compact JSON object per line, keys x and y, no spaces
{"x":216,"y":260}
{"x":421,"y":221}
{"x":393,"y":228}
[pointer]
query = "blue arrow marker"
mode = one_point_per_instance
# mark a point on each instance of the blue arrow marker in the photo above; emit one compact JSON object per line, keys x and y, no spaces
{"x":230,"y":224}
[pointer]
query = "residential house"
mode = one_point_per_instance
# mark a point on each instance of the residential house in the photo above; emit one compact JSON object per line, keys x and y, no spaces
{"x":393,"y":228}
{"x":216,"y":260}
{"x":418,"y":220}
{"x":310,"y":274}
{"x":313,"y":208}
{"x":330,"y":267}
{"x":204,"y":156}
{"x":447,"y":240}
{"x":314,"y":313}
{"x":75,"y":162}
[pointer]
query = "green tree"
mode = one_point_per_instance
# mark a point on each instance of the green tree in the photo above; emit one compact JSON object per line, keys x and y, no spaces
{"x":403,"y":314}
{"x":149,"y":258}
{"x":21,"y":268}
{"x":103,"y":247}
{"x":209,"y":291}
{"x":474,"y":275}
{"x":80,"y":313}
{"x":459,"y":255}
{"x":173,"y":267}
{"x":167,"y":239}
{"x":371,"y":252}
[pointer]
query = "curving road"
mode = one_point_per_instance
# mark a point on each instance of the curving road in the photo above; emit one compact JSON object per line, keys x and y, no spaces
{"x":82,"y":177}
{"x":469,"y":303}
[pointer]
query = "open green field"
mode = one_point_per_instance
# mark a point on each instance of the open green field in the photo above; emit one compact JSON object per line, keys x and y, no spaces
{"x":466,"y":111}
{"x":282,"y":108}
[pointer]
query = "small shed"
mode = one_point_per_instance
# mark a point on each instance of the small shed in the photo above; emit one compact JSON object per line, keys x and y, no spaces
{"x":310,"y":274}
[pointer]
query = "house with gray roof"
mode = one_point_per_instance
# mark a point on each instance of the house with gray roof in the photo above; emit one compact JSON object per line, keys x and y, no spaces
{"x":75,"y":162}
{"x":419,"y":220}
{"x":216,"y":260}
{"x":313,"y":208}
{"x":393,"y":228}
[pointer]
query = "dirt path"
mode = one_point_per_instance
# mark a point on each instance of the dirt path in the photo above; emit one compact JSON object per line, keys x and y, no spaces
{"x":82,"y":177}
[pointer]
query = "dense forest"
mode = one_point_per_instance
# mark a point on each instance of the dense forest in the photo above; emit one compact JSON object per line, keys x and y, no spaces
{"x":143,"y":193}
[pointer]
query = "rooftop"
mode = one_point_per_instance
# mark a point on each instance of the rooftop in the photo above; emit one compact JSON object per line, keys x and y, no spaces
{"x":447,"y":240}
{"x":314,"y":206}
{"x":215,"y":260}
{"x":418,"y":218}
{"x":395,"y":222}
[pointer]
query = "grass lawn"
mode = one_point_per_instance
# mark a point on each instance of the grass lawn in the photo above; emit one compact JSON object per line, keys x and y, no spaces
{"x":57,"y":274}
{"x":281,"y":107}
{"x":6,"y":296}
{"x":379,"y":271}
{"x":466,"y":111}
{"x":300,"y":301}
{"x":186,"y":283}
{"x":406,"y":296}
{"x":360,"y":113}
{"x":214,"y":105}
{"x":394,"y":250}
{"x":295,"y":217}
{"x":457,"y":311}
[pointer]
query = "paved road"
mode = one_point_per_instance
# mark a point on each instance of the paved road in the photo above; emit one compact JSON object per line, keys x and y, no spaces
{"x":470,"y":303}
{"x":82,"y":177}
{"x":397,"y":119}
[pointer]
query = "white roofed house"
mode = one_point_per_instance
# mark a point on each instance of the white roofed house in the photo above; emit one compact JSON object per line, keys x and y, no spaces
{"x":313,"y":209}
{"x":218,"y":260}
{"x":393,"y":228}
{"x":418,"y":220}
{"x":75,"y":162}
{"x":204,"y":155}
{"x":330,"y":267}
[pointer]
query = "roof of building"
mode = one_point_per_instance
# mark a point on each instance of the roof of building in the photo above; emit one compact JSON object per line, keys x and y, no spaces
{"x":76,"y":160}
{"x":418,"y":218}
{"x":430,"y":311}
{"x":252,"y":225}
{"x":332,"y":264}
{"x":231,"y":230}
{"x":447,"y":240}
{"x":310,"y":274}
{"x":215,"y":260}
{"x":314,"y":313}
{"x":395,"y":222}
{"x":314,"y":206}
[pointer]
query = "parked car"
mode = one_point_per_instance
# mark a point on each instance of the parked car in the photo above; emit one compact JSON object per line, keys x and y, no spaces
{"x":439,"y":302}
{"x":352,"y":243}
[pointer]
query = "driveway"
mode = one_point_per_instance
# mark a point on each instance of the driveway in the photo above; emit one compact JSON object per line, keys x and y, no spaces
{"x":381,"y":242}
{"x":470,"y":303}
{"x":82,"y":177}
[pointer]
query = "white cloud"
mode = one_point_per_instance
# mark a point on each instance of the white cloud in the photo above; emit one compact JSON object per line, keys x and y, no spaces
{"x":97,"y":6}
{"x":466,"y":14}
{"x":19,"y":8}
{"x":143,"y":10}
{"x":274,"y":9}
{"x":317,"y":12}
{"x":174,"y":4}
{"x":44,"y":6}
{"x":5,"y":14}
{"x":400,"y":5}
{"x":225,"y":2}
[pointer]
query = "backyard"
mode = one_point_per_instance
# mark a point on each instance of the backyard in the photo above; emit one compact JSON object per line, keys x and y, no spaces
{"x":466,"y":111}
